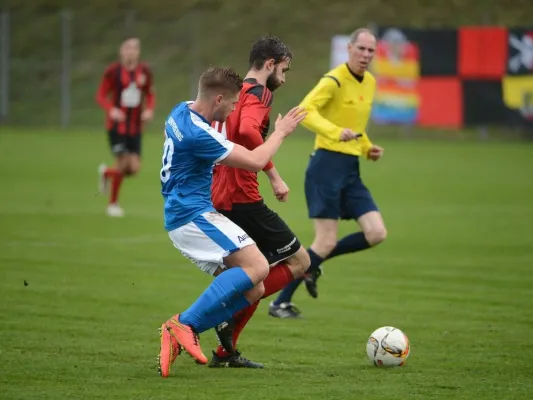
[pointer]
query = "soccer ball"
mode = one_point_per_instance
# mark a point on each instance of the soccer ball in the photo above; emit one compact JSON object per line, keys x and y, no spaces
{"x":387,"y":347}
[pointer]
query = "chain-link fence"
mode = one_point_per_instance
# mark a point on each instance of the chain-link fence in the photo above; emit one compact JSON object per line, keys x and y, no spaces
{"x":52,"y":62}
{"x":52,"y":67}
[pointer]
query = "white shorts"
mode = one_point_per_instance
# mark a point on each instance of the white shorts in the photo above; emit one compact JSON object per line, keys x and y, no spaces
{"x":207,"y":239}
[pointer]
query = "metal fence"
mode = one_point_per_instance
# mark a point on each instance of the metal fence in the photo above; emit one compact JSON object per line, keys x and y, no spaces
{"x":51,"y":63}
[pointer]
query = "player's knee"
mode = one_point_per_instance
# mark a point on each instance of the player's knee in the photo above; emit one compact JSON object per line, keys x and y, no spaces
{"x":299,"y":263}
{"x":262,"y":269}
{"x":133,"y":170}
{"x":252,"y":261}
{"x":134,"y":167}
{"x":257,"y":270}
{"x":376,"y":236}
{"x":304,"y":259}
{"x":124,"y":169}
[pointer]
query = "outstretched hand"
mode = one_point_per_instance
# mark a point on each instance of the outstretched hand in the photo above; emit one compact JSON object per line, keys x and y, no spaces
{"x":287,"y":124}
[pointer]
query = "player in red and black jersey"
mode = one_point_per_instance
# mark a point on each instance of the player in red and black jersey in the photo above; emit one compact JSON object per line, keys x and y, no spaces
{"x":235,"y":192}
{"x":127,"y":96}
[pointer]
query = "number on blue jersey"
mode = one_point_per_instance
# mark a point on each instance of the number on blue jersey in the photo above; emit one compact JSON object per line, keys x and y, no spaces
{"x":168,"y":152}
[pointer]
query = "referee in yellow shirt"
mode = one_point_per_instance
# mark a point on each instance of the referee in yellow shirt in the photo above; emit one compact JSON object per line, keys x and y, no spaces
{"x":339,"y":108}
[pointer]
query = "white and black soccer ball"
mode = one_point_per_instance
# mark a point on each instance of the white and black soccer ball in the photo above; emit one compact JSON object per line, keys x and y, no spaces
{"x":388,"y":347}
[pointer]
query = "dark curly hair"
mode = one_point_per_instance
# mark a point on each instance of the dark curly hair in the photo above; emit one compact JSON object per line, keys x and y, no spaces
{"x":266,"y":48}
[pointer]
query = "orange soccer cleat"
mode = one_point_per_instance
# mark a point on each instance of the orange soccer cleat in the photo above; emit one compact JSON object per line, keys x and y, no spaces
{"x":170,"y":349}
{"x":187,"y":338}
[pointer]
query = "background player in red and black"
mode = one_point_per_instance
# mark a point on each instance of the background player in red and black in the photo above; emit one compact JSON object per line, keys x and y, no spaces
{"x":235,"y":192}
{"x":126,"y":95}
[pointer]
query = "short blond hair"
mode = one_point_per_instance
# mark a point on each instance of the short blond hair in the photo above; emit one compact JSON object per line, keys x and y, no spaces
{"x":220,"y":79}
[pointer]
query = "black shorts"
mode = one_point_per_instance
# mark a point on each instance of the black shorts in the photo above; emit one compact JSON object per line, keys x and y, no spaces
{"x":271,"y":234}
{"x":122,"y":144}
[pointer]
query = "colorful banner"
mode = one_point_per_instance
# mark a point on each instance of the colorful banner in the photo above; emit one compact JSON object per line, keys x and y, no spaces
{"x":396,"y":67}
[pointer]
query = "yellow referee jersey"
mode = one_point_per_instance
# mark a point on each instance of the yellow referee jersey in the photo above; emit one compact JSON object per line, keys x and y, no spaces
{"x":337,"y":102}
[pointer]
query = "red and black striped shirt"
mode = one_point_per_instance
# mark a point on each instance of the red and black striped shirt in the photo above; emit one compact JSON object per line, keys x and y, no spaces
{"x":129,"y":90}
{"x":248,"y":126}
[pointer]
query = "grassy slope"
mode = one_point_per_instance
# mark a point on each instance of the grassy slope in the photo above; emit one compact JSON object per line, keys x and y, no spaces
{"x":455,"y":274}
{"x":178,"y":44}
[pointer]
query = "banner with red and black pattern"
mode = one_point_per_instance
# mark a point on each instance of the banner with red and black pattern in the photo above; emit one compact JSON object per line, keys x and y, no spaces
{"x":453,"y":78}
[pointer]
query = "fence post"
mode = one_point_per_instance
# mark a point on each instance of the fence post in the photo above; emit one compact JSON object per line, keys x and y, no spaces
{"x":4,"y":64}
{"x":195,"y":56}
{"x":130,"y":20}
{"x":66,"y":61}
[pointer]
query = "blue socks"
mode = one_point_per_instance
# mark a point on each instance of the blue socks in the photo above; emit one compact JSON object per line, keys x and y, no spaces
{"x":223,"y":298}
{"x":348,"y":244}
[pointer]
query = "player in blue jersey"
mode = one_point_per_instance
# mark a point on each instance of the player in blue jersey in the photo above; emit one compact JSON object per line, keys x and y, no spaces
{"x":210,"y":240}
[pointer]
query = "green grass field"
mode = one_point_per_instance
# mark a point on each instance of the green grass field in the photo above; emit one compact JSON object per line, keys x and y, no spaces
{"x":456,"y":274}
